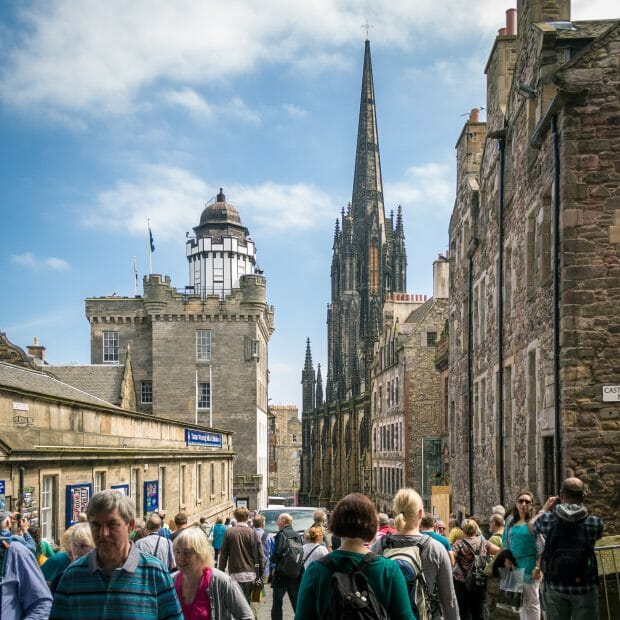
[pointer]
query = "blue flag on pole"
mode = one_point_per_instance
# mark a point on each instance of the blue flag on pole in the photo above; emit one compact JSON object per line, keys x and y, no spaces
{"x":151,"y":240}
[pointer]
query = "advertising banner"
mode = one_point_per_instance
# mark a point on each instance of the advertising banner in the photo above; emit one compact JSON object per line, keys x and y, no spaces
{"x":151,"y":495}
{"x":77,"y":498}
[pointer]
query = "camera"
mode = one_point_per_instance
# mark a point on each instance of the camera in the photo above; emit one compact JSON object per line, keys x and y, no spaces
{"x":18,"y":517}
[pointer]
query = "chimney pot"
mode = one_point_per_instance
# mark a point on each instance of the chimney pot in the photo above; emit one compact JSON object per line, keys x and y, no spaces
{"x":511,"y":22}
{"x":474,"y":115}
{"x":502,"y":32}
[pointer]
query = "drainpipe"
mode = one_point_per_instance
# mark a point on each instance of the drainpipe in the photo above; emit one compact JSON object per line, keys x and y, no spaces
{"x":20,"y":499}
{"x":556,"y":302}
{"x":471,"y":250}
{"x":500,"y":136}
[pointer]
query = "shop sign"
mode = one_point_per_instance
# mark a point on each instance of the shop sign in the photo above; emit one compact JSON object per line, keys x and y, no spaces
{"x":77,"y":498}
{"x":202,"y":438}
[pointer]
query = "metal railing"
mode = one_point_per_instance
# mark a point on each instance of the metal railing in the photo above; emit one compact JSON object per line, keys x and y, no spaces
{"x":608,"y":559}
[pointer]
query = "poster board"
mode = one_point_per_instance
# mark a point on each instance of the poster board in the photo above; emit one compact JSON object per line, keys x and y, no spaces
{"x":76,"y":501}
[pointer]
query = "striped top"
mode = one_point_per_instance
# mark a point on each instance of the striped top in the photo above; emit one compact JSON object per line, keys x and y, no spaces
{"x":140,"y":590}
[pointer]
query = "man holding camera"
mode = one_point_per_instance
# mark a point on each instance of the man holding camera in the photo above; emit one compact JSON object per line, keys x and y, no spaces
{"x":568,"y":560}
{"x":22,"y":536}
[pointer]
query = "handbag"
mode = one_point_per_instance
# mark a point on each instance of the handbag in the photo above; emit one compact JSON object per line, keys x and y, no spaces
{"x":511,"y":589}
{"x":258,"y":589}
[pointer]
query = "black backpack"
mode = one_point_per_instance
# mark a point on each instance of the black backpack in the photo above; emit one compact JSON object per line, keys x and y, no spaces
{"x":291,"y":561}
{"x":568,"y":558}
{"x":475,"y":579}
{"x":352,"y":596}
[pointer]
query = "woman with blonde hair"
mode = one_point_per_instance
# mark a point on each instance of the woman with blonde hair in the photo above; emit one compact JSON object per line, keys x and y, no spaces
{"x":203,"y":590}
{"x":436,"y":566}
{"x":472,"y":605}
{"x":314,"y":549}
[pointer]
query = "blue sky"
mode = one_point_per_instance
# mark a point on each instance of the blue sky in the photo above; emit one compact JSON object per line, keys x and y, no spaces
{"x":113,"y":112}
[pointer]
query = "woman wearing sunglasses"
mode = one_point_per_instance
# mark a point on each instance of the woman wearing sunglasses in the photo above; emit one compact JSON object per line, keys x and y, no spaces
{"x":525,"y":548}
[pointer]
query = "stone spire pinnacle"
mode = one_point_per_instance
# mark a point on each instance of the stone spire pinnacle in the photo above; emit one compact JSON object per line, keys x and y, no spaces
{"x":367,"y":182}
{"x":308,"y":363}
{"x":318,"y":400}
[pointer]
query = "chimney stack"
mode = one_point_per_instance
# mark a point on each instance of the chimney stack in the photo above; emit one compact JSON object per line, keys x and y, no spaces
{"x":36,"y":350}
{"x":511,"y":22}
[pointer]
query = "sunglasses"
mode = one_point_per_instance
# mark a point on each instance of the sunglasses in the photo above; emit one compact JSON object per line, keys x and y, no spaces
{"x":524,"y":501}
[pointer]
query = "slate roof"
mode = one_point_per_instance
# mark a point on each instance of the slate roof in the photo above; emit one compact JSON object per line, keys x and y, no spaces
{"x":100,"y":380}
{"x":42,"y":384}
{"x":419,"y":313}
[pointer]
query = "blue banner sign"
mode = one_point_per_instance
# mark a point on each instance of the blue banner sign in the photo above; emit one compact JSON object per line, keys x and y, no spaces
{"x":76,"y":501}
{"x":151,"y":495}
{"x":2,"y":495}
{"x":202,"y":438}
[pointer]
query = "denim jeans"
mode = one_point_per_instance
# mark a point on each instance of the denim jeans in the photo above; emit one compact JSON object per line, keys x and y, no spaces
{"x":559,"y":606}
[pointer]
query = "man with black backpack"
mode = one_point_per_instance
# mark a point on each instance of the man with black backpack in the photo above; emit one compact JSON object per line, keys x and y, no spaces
{"x":568,"y":560}
{"x":288,"y":560}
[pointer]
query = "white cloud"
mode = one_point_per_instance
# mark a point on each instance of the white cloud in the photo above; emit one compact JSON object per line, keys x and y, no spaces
{"x":191,"y":101}
{"x":173,"y":199}
{"x":294,"y":111}
{"x":429,"y":187}
{"x":28,"y":259}
{"x":57,"y":263}
{"x":100,"y":57}
{"x":237,"y":108}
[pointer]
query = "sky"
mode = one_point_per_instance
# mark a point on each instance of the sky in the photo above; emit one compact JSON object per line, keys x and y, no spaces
{"x":115,"y":112}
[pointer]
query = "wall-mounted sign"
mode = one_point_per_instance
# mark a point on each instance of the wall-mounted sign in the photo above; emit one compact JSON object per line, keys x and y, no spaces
{"x":2,"y":494}
{"x":151,"y":495}
{"x":77,"y":498}
{"x":20,"y":406}
{"x":123,"y":488}
{"x":202,"y":438}
{"x":611,"y":393}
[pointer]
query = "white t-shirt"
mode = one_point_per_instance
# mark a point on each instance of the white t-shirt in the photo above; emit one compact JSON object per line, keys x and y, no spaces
{"x":313,"y":551}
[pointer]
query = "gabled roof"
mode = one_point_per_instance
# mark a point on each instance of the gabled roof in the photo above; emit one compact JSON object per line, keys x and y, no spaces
{"x":100,"y":380}
{"x":418,"y":314}
{"x":44,"y":385}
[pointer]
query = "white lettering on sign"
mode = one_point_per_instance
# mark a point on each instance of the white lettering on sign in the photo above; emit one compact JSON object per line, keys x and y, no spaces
{"x":611,"y":393}
{"x":20,"y":406}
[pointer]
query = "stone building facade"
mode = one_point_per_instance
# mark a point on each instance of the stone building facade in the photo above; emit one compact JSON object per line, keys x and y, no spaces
{"x":59,"y":445}
{"x":369,"y":262}
{"x":284,"y":451}
{"x":200,"y":354}
{"x":408,"y":432}
{"x":535,"y":266}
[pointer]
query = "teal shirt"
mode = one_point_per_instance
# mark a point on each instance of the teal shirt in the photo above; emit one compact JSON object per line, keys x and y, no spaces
{"x":384,"y":576}
{"x":522,"y":543}
{"x":140,"y":590}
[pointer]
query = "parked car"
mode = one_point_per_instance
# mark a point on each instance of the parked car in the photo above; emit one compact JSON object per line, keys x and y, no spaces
{"x":303,"y":517}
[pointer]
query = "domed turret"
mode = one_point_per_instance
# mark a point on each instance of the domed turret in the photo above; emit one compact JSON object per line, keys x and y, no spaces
{"x":221,"y":252}
{"x":220,"y":212}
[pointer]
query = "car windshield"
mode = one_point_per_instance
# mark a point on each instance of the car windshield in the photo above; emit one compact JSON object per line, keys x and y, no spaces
{"x":303,"y":518}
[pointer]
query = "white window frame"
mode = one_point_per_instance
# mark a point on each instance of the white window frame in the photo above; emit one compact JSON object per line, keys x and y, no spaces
{"x":203,"y":396}
{"x":99,"y":481}
{"x":110,"y":346}
{"x":47,"y":507}
{"x":144,"y":384}
{"x":203,"y":345}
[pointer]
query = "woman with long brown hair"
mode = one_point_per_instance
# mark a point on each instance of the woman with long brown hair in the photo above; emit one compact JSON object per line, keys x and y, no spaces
{"x":525,"y":547}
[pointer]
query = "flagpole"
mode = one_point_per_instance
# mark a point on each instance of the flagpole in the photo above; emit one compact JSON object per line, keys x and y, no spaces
{"x":150,"y":250}
{"x":135,"y":277}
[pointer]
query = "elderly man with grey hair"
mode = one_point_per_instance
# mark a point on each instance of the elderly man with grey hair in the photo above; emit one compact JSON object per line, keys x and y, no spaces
{"x":158,"y":546}
{"x":115,"y":581}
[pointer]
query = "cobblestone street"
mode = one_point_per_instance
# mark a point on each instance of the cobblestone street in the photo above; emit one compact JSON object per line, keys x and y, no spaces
{"x":264,"y":612}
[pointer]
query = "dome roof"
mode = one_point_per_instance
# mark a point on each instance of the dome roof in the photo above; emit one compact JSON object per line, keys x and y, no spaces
{"x":220,"y":212}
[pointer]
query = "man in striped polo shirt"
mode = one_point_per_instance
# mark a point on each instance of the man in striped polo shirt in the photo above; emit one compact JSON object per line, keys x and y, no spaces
{"x":115,"y":581}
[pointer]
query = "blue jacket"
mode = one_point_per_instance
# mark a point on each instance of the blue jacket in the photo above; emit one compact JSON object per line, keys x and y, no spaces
{"x":24,"y":592}
{"x":26,"y":539}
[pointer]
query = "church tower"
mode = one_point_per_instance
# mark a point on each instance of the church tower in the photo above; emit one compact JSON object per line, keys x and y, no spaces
{"x":369,"y":260}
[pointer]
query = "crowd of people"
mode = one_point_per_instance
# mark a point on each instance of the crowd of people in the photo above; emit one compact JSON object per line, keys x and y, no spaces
{"x":408,"y":566}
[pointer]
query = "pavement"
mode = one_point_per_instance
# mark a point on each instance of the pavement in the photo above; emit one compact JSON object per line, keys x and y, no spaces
{"x":264,"y":611}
